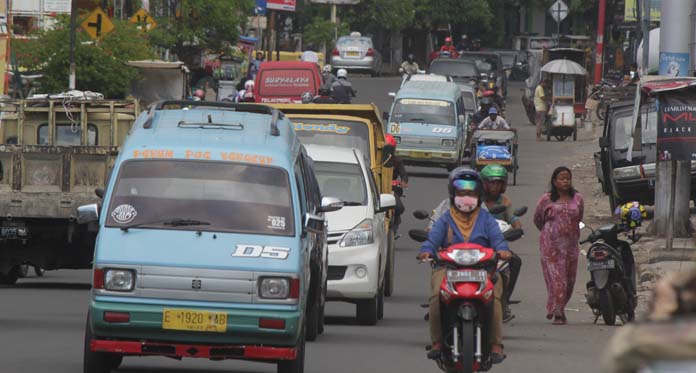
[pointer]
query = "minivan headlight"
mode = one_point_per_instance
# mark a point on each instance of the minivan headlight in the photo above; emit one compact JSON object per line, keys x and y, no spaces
{"x":360,"y":235}
{"x":119,"y":279}
{"x":274,"y":288}
{"x":448,"y":143}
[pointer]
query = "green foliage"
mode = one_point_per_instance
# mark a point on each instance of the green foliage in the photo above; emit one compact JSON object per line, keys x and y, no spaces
{"x":100,"y":66}
{"x":321,"y":32}
{"x":197,"y":25}
{"x":372,"y":15}
{"x":474,"y":15}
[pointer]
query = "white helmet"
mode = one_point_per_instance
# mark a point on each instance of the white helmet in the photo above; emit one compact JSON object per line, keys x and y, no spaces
{"x":327,"y":68}
{"x":342,"y":73}
{"x":249,"y":85}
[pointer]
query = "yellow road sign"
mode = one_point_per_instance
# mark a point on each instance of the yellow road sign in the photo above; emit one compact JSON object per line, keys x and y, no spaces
{"x":144,"y":20}
{"x":97,"y":24}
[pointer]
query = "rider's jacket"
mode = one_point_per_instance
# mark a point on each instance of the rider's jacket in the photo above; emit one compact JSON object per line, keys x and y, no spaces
{"x":409,"y":68}
{"x":485,"y":233}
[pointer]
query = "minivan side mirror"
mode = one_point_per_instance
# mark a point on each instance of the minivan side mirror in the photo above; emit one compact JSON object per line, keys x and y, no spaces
{"x":314,"y":224}
{"x":603,"y":142}
{"x":87,"y":213}
{"x":99,"y":192}
{"x":462,"y":118}
{"x":386,"y":202}
{"x":329,"y":204}
{"x":392,"y":95}
{"x":385,"y":115}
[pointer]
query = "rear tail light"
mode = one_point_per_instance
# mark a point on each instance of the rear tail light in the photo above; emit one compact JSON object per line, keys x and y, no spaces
{"x":98,"y":280}
{"x":110,"y":316}
{"x":272,"y":324}
{"x":599,"y":255}
{"x":370,"y":52}
{"x":335,"y":52}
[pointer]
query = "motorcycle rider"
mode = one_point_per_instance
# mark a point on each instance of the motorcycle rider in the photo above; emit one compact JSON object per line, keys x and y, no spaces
{"x":399,"y":175}
{"x":465,"y":221}
{"x":449,"y":48}
{"x":342,"y":89}
{"x":494,"y":122}
{"x":324,"y":96}
{"x":327,"y":77}
{"x":464,"y":44}
{"x":485,"y":104}
{"x":410,"y":66}
{"x":495,"y":179}
{"x":246,"y":94}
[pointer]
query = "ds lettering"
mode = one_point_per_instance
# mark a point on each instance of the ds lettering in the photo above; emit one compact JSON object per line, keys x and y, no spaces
{"x":266,"y":252}
{"x":442,"y":130}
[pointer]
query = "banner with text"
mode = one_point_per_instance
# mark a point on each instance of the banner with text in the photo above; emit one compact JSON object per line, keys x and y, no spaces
{"x":676,"y":135}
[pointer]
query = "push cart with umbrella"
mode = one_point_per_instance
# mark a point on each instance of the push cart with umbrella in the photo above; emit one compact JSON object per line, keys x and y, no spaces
{"x":568,"y":96}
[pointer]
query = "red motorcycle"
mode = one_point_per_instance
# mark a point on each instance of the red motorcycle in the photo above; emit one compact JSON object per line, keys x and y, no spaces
{"x":466,"y":303}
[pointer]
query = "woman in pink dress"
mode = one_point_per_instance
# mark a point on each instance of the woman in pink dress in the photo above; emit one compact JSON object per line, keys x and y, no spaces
{"x":558,"y":214}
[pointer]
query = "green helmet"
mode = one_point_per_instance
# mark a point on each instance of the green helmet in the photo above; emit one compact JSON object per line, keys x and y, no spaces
{"x":494,"y":172}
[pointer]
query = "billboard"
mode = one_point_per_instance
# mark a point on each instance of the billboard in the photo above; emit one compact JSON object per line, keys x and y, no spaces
{"x":631,"y":11}
{"x":676,"y":123}
{"x":286,"y":5}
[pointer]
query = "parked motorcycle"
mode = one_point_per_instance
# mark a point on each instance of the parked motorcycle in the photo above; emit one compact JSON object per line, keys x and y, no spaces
{"x":466,"y":297}
{"x":611,"y":292}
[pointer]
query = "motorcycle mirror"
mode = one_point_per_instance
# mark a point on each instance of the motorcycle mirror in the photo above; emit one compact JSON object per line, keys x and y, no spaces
{"x":498,"y":209}
{"x":513,"y":234}
{"x":421,"y":214}
{"x":418,"y":235}
{"x":520,"y":211}
{"x":582,"y":225}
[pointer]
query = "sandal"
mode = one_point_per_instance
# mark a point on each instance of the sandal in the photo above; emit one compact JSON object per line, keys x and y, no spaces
{"x":559,"y":320}
{"x":497,"y":358}
{"x":434,"y":352}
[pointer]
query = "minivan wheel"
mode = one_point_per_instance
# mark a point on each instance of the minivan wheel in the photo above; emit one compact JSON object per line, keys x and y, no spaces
{"x":98,"y":362}
{"x":380,"y":304}
{"x":367,"y":310}
{"x":297,"y":365}
{"x":312,"y":324}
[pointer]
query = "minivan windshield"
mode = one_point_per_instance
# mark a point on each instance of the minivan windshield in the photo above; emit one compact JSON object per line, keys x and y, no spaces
{"x":622,"y":129}
{"x":422,"y":110}
{"x":228,"y":197}
{"x":342,"y":133}
{"x":342,"y":180}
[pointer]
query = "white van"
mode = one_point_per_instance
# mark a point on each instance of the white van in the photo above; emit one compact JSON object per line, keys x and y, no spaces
{"x":357,"y":235}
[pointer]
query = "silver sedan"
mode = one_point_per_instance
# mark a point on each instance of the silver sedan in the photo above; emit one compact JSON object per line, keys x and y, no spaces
{"x":356,"y":52}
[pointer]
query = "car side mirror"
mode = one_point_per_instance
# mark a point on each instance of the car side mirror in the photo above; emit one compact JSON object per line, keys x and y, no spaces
{"x":385,"y":115}
{"x":87,"y":213}
{"x":329,"y":204}
{"x":603,"y":142}
{"x":314,"y":223}
{"x":386,"y":202}
{"x":520,"y":211}
{"x":462,"y":118}
{"x":392,"y":95}
{"x":99,"y":192}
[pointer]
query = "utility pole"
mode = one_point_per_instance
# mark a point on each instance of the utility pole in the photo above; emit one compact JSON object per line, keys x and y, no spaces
{"x":333,"y":20}
{"x":73,"y":22}
{"x":673,"y":185}
{"x":599,"y":53}
{"x":645,"y":21}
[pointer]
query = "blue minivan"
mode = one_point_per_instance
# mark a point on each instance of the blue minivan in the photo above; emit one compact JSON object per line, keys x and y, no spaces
{"x":212,"y":240}
{"x":427,"y":119}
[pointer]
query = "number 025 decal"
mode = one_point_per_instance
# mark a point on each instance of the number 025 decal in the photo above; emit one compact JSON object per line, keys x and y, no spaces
{"x":256,"y":251}
{"x":442,"y":130}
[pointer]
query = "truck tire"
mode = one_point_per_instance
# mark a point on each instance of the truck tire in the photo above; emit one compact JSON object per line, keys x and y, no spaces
{"x":391,"y":257}
{"x":98,"y":362}
{"x":297,"y":365}
{"x":367,"y":310}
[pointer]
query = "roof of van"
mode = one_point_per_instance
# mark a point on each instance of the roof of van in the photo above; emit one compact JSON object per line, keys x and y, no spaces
{"x":288,"y":65}
{"x":213,"y":134}
{"x":433,"y":90}
{"x":334,"y":154}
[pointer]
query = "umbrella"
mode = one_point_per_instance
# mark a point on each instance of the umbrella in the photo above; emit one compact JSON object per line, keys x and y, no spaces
{"x":567,"y":67}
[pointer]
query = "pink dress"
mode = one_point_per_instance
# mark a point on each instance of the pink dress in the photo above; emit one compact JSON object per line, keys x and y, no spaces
{"x":560,"y":233}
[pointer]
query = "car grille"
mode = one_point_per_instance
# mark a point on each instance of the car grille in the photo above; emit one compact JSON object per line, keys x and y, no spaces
{"x":336,"y":272}
{"x":421,"y":142}
{"x":335,"y":237}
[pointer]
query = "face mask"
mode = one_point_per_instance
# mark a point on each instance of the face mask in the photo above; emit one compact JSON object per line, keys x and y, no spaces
{"x":466,"y":204}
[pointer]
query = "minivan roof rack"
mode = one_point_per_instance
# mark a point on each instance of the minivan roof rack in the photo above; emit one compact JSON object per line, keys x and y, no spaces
{"x":245,"y":108}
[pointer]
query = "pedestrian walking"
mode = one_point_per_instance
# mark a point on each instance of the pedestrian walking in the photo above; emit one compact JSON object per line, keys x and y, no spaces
{"x":558,"y":214}
{"x":540,"y":106}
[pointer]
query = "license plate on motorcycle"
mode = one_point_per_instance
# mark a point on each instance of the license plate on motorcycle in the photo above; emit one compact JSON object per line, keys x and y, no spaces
{"x":608,"y":264}
{"x":467,"y":276}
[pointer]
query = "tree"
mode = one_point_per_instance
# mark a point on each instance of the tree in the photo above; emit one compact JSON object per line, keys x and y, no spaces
{"x":189,"y":27}
{"x":321,"y":32}
{"x":100,"y":65}
{"x":374,"y":15}
{"x":473,"y":16}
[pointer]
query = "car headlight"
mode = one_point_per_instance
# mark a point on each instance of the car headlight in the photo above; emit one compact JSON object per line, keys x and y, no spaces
{"x":626,"y":172}
{"x":466,"y":257}
{"x":274,"y":288}
{"x":448,"y":143}
{"x":119,"y":279}
{"x":360,"y":235}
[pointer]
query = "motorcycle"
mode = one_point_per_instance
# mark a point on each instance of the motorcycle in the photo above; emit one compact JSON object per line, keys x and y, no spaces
{"x":398,"y":189}
{"x":611,"y":292}
{"x":466,"y":297}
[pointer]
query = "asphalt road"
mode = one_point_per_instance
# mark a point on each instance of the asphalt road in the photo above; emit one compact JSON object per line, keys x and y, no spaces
{"x":42,"y":319}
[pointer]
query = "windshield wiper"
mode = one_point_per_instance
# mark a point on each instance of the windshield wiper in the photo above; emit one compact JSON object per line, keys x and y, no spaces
{"x":352,"y":203}
{"x":414,"y":120}
{"x":173,"y":222}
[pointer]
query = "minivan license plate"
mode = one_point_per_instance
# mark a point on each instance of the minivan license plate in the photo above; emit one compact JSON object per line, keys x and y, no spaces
{"x":607,"y":264}
{"x":467,"y":276}
{"x":194,"y":321}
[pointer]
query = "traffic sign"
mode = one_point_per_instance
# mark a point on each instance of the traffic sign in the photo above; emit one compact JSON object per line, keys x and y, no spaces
{"x":97,"y":24}
{"x":144,"y":20}
{"x":286,"y":5}
{"x":559,"y":11}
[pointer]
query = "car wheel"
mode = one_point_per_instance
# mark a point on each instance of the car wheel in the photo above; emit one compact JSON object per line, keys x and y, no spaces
{"x":312,"y":324}
{"x":367,"y":310}
{"x":297,"y":365}
{"x":380,"y":304}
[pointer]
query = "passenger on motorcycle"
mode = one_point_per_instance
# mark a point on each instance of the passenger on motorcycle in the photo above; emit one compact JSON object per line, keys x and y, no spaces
{"x":495,"y":179}
{"x":486,"y":103}
{"x":464,"y":222}
{"x":410,"y":66}
{"x":494,"y":122}
{"x":324,"y":96}
{"x":327,"y":77}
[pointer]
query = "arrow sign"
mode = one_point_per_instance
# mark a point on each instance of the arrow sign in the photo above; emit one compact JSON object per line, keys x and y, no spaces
{"x":97,"y":24}
{"x":144,"y":20}
{"x":559,"y":11}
